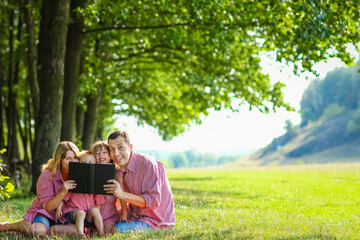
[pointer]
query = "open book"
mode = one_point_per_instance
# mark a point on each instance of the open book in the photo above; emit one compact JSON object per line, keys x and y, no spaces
{"x":90,"y":177}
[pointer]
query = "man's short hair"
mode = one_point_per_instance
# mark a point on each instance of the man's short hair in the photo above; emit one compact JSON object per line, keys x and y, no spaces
{"x":118,"y":133}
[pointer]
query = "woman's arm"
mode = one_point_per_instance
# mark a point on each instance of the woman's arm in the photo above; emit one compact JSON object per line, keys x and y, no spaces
{"x":53,"y":203}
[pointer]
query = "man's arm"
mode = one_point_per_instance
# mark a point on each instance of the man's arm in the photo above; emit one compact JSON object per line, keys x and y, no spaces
{"x":114,"y":188}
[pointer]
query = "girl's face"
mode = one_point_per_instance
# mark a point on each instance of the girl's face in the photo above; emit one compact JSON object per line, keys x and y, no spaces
{"x":69,"y":157}
{"x":102,"y":156}
{"x":88,"y":158}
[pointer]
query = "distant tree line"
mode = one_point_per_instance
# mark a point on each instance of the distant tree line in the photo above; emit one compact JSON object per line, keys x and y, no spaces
{"x":338,"y":92}
{"x":193,"y":158}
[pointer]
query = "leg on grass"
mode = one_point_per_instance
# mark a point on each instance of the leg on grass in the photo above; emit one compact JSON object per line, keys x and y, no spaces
{"x":34,"y":229}
{"x":95,"y":216}
{"x":62,"y":230}
{"x":79,"y":216}
{"x":108,"y":228}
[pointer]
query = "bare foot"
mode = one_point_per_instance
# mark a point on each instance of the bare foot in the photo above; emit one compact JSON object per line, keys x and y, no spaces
{"x":114,"y":230}
{"x":4,"y":226}
{"x":81,"y":235}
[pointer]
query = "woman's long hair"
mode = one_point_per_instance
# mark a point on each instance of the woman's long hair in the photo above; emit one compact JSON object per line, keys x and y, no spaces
{"x":59,"y":154}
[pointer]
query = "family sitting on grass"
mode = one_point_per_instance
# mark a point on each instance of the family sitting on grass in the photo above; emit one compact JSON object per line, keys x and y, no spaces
{"x":140,"y":184}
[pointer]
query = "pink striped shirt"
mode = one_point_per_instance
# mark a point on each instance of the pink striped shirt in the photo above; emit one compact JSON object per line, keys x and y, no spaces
{"x":108,"y":210}
{"x":146,"y":176}
{"x":81,"y":201}
{"x":47,"y":187}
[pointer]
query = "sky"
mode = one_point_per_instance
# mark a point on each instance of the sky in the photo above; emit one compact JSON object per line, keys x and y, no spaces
{"x":227,"y":133}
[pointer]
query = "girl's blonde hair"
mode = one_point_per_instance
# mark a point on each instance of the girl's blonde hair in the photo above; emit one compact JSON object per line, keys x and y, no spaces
{"x":60,"y":153}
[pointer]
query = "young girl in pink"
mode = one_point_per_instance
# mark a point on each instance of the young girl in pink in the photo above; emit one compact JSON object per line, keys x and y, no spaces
{"x":108,"y":210}
{"x":82,"y":209}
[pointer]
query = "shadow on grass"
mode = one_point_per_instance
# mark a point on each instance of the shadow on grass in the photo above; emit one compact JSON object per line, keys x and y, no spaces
{"x":204,"y":199}
{"x":192,"y":179}
{"x":186,"y":234}
{"x":311,"y":236}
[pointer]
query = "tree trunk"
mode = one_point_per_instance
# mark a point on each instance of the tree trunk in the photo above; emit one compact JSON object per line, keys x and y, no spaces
{"x":28,"y":133}
{"x":51,"y":52}
{"x":15,"y":157}
{"x":2,"y":121}
{"x":80,"y":114}
{"x":31,"y":56}
{"x":31,"y":78}
{"x":74,"y":46}
{"x":91,"y":116}
{"x":12,"y":149}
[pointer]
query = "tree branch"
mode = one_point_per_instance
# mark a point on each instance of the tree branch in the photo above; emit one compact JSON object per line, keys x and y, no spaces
{"x":123,"y":27}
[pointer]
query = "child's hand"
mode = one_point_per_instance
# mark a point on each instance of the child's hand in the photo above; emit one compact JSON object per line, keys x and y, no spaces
{"x":69,"y":184}
{"x":123,"y":219}
{"x":58,"y":213}
{"x":123,"y":216}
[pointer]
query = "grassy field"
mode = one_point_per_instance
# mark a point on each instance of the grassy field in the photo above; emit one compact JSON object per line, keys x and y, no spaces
{"x":292,"y":202}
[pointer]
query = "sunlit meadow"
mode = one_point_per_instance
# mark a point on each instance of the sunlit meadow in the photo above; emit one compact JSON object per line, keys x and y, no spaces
{"x":293,"y":202}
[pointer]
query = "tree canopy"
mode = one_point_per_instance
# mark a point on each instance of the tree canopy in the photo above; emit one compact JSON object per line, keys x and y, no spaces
{"x":68,"y":67}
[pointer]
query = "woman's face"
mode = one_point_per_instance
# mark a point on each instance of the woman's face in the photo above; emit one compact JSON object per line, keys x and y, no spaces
{"x":102,"y":156}
{"x":69,"y":157}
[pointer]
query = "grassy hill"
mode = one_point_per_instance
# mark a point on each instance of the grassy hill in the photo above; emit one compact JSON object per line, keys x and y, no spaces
{"x":325,"y":141}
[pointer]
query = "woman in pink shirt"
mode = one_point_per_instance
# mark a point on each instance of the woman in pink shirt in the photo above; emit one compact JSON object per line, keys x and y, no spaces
{"x":80,"y":208}
{"x":108,"y":210}
{"x":51,"y":188}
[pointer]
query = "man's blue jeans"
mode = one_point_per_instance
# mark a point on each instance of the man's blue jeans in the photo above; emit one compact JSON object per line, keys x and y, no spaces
{"x":131,"y":226}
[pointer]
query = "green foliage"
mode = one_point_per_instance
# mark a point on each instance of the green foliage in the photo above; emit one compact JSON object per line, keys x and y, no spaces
{"x":353,"y":126}
{"x":336,"y":93}
{"x":5,"y":187}
{"x":332,"y":110}
{"x":179,"y":160}
{"x":167,"y":63}
{"x":192,"y":158}
{"x":293,"y":202}
{"x":291,"y":132}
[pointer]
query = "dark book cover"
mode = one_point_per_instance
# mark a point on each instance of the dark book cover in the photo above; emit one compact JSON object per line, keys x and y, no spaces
{"x":90,"y":177}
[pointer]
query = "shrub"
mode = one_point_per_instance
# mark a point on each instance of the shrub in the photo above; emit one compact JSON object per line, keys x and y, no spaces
{"x":5,"y":187}
{"x":332,"y":110}
{"x":353,"y":126}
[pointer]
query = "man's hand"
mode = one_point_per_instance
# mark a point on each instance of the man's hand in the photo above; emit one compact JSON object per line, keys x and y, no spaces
{"x":114,"y":188}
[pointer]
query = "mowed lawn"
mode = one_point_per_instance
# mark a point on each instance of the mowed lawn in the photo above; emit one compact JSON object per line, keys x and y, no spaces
{"x":292,"y":202}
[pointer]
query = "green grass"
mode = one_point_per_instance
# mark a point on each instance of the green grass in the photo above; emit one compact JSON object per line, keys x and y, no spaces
{"x":305,"y":202}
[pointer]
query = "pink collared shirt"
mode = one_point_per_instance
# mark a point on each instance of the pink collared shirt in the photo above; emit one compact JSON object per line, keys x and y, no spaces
{"x":81,"y":201}
{"x":146,"y":176}
{"x":109,"y":211}
{"x":47,"y":187}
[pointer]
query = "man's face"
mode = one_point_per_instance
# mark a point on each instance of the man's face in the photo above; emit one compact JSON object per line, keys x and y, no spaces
{"x":120,"y":151}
